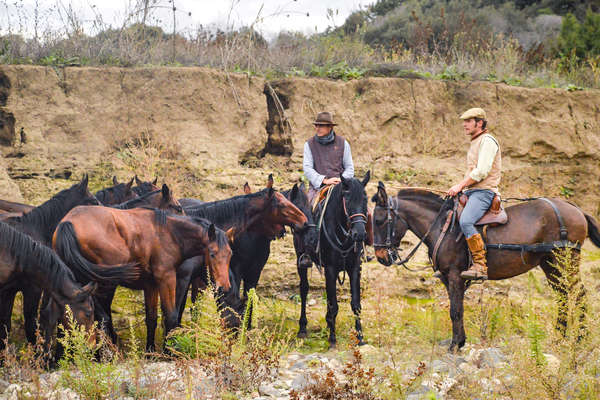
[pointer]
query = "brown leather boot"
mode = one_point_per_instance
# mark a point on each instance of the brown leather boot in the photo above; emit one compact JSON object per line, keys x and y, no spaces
{"x":479,"y":268}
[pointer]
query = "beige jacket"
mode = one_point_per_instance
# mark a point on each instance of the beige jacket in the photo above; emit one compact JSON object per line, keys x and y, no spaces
{"x":484,"y":163}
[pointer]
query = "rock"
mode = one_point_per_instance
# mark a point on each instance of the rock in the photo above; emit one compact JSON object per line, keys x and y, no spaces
{"x":440,"y":366}
{"x":445,"y":342}
{"x":293,"y":357}
{"x":553,"y":363}
{"x":300,"y":382}
{"x":367,"y":350}
{"x":267,"y":390}
{"x":3,"y":385}
{"x":422,"y":392}
{"x":446,"y":385}
{"x":486,"y":358}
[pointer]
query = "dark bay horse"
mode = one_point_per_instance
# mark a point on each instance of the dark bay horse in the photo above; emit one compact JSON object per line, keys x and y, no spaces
{"x":342,"y":233}
{"x":161,"y":199}
{"x":39,"y":224}
{"x":116,"y":194}
{"x":528,"y":223}
{"x":152,"y":244}
{"x":143,"y":187}
{"x":23,"y":259}
{"x":254,"y":219}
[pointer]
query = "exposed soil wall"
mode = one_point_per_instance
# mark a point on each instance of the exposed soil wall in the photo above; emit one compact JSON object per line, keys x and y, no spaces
{"x":57,"y":123}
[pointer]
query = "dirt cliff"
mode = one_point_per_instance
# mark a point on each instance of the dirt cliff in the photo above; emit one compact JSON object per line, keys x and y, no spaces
{"x":207,"y":132}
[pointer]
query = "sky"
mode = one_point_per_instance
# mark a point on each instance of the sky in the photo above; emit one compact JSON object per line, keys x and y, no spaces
{"x":269,"y":16}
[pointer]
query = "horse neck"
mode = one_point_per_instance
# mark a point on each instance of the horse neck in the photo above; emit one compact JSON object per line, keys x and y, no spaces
{"x":227,"y":214}
{"x":43,"y":220}
{"x":189,"y":236}
{"x":420,"y":215}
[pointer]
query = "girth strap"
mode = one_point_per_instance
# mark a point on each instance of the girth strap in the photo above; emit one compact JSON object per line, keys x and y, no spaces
{"x":561,"y":222}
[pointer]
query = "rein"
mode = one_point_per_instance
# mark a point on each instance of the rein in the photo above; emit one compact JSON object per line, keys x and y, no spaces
{"x":388,"y":243}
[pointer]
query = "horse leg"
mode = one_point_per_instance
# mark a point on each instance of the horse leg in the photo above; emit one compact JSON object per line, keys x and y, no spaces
{"x":7,"y":299}
{"x":151,"y":306}
{"x":303,"y":273}
{"x":166,"y":289}
{"x":332,"y":305}
{"x":456,"y":292}
{"x":563,"y":286}
{"x":354,"y":275}
{"x":184,"y":276}
{"x":103,"y":312}
{"x":31,"y":302}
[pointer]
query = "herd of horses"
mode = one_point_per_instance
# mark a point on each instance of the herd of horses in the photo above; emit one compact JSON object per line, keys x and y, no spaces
{"x":77,"y":248}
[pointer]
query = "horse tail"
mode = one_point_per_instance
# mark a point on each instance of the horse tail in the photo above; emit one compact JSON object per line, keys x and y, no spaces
{"x":67,"y":247}
{"x":593,"y":229}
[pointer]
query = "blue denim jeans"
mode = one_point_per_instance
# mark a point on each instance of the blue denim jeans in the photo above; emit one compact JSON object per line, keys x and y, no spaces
{"x":479,"y":202}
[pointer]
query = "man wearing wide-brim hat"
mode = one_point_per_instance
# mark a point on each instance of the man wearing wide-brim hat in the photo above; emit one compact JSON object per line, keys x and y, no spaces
{"x":327,"y":156}
{"x":484,"y":170}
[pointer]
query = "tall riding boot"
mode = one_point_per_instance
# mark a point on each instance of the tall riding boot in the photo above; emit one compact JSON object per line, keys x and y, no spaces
{"x":479,"y":268}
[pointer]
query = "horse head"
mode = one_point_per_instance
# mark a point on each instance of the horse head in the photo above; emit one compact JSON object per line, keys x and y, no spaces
{"x":305,"y":242}
{"x":116,"y":194}
{"x":388,"y":228}
{"x":354,"y":202}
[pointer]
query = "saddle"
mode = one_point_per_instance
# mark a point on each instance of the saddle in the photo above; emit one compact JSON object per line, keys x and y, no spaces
{"x":494,"y":216}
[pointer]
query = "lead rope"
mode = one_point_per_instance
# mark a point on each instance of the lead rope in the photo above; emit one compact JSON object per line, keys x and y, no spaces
{"x":320,"y":266}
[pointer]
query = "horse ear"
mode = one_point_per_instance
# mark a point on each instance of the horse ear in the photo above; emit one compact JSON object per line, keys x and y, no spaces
{"x":88,"y":289}
{"x":165,"y":191}
{"x":344,"y":182}
{"x":230,"y":235}
{"x":366,"y":178}
{"x":137,"y":180}
{"x":294,"y":192}
{"x":381,"y":197}
{"x":115,"y":181}
{"x":270,"y":181}
{"x":84,"y":182}
{"x":247,"y":189}
{"x":130,"y":184}
{"x":154,"y":181}
{"x":212,"y":233}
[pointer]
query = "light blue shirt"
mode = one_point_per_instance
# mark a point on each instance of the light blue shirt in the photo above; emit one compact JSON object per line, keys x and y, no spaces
{"x":314,"y":177}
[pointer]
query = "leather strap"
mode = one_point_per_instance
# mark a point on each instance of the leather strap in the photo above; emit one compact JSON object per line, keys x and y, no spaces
{"x":441,"y":238}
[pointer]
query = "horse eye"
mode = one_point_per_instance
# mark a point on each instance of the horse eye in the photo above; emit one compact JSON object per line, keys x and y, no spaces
{"x":379,"y":221}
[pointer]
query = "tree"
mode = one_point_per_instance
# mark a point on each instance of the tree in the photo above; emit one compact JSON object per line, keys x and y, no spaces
{"x":569,"y":39}
{"x":590,"y":33}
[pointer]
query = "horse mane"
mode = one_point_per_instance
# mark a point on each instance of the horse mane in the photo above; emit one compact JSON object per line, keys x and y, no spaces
{"x":129,"y":204}
{"x":45,"y":217}
{"x":424,"y":194}
{"x":230,"y":210}
{"x":205,"y":224}
{"x":28,"y":253}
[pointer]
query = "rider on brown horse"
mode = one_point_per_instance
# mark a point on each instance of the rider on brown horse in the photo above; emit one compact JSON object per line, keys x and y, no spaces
{"x":484,"y":164}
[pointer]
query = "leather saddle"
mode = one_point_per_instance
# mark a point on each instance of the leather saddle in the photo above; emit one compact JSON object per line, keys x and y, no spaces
{"x":495,"y":215}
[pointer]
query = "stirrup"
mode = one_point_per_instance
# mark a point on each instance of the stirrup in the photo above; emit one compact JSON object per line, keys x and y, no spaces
{"x":480,"y":276}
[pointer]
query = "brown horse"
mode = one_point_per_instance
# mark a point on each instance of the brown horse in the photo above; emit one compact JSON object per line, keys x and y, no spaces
{"x":149,"y":241}
{"x":22,"y":258}
{"x":529,"y":223}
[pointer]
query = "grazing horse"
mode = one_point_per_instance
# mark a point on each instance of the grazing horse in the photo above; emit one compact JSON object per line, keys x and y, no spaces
{"x":342,"y":233}
{"x":116,"y":194}
{"x":148,"y":241}
{"x":254,"y":220}
{"x":39,"y":224}
{"x":534,"y":228}
{"x":24,"y":259}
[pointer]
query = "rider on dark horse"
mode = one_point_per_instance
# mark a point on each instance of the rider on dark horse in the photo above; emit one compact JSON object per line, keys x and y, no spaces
{"x":327,"y":157}
{"x":484,"y":165}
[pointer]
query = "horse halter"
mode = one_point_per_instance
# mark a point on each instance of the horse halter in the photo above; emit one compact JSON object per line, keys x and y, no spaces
{"x":391,"y":230}
{"x":360,"y":217}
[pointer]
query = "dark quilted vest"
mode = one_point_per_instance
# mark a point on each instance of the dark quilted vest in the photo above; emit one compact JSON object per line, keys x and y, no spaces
{"x":328,"y":158}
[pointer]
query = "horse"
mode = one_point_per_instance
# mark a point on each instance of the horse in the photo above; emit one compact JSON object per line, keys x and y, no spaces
{"x":533,"y":228}
{"x":255,"y":220}
{"x":14,"y":207}
{"x":149,"y":242}
{"x":161,"y":199}
{"x":116,"y":194}
{"x":39,"y":224}
{"x":24,"y":259}
{"x":143,"y":187}
{"x":342,"y":233}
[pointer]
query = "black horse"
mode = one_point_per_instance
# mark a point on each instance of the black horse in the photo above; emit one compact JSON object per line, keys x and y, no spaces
{"x":143,"y":187}
{"x":256,"y":219}
{"x":341,"y":222}
{"x":39,"y":224}
{"x":24,"y":259}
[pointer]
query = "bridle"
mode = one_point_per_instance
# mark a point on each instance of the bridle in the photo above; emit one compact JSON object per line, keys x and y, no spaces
{"x":351,"y":220}
{"x":391,"y":249}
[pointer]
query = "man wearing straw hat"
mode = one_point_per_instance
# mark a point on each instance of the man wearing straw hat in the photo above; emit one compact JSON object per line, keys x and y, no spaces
{"x":484,"y":165}
{"x":327,"y":156}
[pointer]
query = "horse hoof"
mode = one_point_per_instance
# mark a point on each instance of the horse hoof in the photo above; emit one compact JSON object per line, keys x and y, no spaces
{"x":361,"y":342}
{"x":332,"y":346}
{"x":302,"y":335}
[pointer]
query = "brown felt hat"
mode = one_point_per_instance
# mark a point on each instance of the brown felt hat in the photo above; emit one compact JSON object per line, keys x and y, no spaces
{"x":324,"y":118}
{"x":473,"y":113}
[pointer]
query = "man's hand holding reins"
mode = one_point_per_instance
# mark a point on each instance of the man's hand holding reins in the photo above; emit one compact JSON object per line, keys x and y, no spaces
{"x":331,"y":181}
